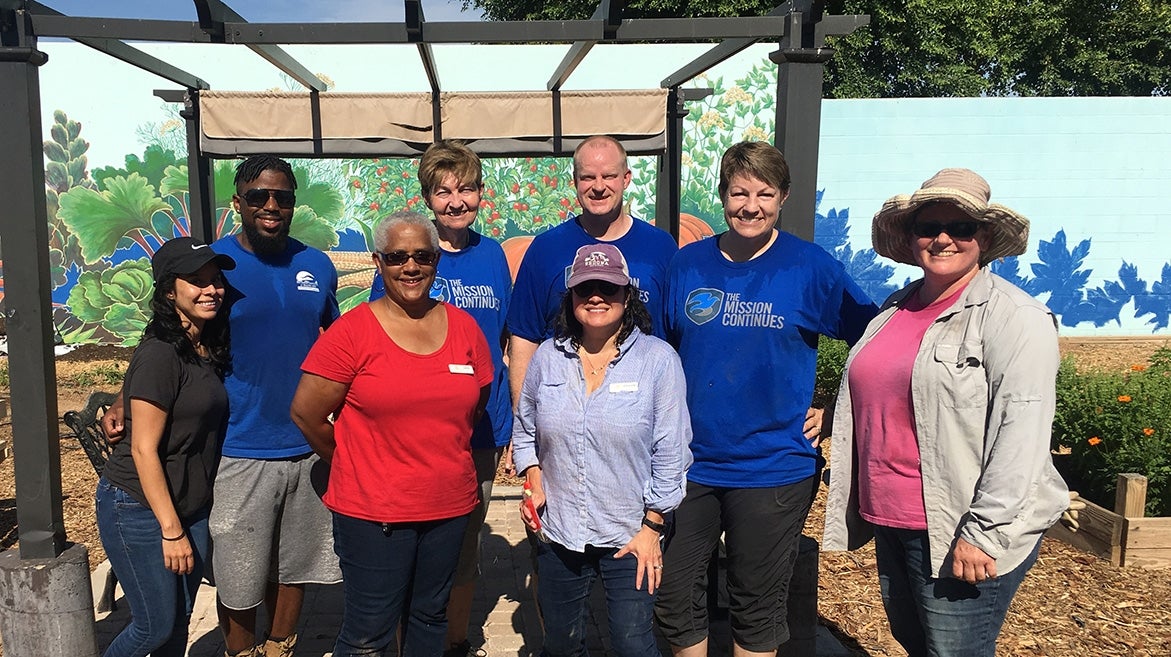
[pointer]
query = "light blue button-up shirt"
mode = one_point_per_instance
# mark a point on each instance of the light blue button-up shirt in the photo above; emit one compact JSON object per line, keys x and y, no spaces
{"x":607,"y":457}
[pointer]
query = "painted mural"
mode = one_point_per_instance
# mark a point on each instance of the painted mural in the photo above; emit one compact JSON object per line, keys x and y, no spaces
{"x":106,"y":221}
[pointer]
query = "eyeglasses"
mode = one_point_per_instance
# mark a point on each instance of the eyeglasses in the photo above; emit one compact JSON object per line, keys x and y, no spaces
{"x":398,"y":258}
{"x":960,"y":229}
{"x":258,"y":197}
{"x":588,"y":289}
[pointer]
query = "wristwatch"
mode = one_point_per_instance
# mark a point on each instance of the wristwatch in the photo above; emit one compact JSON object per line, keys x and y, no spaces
{"x":659,"y":527}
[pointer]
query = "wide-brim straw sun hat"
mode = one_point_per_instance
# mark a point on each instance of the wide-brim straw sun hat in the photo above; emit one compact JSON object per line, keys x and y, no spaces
{"x":1007,"y":230}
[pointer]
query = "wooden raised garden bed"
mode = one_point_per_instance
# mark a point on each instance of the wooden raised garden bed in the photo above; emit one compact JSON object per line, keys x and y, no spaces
{"x":1123,"y":535}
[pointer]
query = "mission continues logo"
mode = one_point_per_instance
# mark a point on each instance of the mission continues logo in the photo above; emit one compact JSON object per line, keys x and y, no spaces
{"x":704,"y":304}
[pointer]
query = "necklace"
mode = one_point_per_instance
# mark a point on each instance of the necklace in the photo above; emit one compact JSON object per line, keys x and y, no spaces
{"x":590,"y":364}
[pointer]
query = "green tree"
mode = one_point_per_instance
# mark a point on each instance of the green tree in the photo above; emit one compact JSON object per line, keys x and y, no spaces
{"x":954,"y":47}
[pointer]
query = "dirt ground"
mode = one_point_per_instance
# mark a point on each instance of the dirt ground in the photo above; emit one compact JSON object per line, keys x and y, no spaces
{"x":1071,"y":604}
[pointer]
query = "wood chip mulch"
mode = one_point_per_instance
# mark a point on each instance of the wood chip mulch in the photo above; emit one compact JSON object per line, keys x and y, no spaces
{"x":1071,"y":604}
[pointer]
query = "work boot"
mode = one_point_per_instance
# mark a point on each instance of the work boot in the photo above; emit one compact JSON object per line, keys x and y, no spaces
{"x":282,"y":648}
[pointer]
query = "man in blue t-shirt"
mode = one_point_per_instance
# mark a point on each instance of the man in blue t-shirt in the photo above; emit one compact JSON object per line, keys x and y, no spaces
{"x":272,"y":535}
{"x":601,"y":176}
{"x":270,"y":531}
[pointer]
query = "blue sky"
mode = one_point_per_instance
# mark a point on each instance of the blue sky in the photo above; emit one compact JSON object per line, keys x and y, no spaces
{"x":268,"y":11}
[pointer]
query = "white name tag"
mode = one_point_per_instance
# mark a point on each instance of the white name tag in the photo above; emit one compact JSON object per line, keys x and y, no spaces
{"x":629,"y":386}
{"x":461,"y":369}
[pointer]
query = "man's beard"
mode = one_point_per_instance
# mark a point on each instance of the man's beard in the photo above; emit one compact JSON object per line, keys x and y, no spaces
{"x":265,"y":245}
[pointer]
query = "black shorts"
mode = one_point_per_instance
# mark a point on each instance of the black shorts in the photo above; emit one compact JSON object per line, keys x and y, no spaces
{"x":761,"y":528}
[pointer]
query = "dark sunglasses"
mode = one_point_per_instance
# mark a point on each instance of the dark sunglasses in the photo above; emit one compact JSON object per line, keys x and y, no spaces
{"x":258,"y":197}
{"x":587,"y":289}
{"x":397,"y":258}
{"x":960,"y":229}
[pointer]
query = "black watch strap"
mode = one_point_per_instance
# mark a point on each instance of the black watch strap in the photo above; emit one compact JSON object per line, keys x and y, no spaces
{"x":659,"y":527}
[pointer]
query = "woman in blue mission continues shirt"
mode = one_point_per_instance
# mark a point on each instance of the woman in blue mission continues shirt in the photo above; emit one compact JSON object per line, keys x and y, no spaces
{"x":745,"y":309}
{"x":601,"y":436}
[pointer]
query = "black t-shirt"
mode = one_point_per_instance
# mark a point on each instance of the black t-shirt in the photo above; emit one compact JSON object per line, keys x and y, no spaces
{"x":197,"y":407}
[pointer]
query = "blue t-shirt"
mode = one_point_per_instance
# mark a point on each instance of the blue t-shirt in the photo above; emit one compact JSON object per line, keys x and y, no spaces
{"x":540,"y":283}
{"x":476,"y":279}
{"x":277,"y":307}
{"x":747,"y":335}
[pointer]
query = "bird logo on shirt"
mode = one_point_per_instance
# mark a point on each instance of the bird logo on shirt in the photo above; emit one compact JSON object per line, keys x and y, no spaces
{"x":704,"y":304}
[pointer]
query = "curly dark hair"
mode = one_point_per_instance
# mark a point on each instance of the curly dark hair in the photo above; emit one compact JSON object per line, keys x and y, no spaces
{"x":250,"y":169}
{"x":636,"y":314}
{"x":165,"y":326}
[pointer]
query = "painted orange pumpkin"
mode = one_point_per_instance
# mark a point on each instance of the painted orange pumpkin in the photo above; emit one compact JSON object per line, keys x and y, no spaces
{"x":514,"y":252}
{"x":692,"y":229}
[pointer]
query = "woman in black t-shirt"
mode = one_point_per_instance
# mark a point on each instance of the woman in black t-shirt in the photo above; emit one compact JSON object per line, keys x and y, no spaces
{"x":155,"y":492}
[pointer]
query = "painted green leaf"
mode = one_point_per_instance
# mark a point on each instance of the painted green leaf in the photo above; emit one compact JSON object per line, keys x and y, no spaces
{"x":325,"y":200}
{"x":175,"y":180}
{"x":78,"y":147}
{"x":100,"y":219}
{"x":312,"y":229}
{"x":351,"y":297}
{"x":57,"y":132}
{"x":225,"y":185}
{"x":116,"y":300}
{"x":56,"y":152}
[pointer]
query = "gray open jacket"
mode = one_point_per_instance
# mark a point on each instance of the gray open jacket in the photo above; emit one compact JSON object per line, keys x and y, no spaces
{"x":983,"y":392}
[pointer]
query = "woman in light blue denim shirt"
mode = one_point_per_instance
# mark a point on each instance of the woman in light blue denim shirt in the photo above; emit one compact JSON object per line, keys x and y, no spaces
{"x":942,"y":428}
{"x":601,"y":435}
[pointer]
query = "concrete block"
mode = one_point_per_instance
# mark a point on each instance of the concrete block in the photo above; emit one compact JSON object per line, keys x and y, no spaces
{"x":46,"y":605}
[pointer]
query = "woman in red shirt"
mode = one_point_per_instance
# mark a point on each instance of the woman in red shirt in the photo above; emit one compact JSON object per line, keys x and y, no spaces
{"x":406,"y":377}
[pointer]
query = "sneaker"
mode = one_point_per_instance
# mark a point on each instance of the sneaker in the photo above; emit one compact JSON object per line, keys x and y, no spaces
{"x":283,"y":648}
{"x":464,"y":649}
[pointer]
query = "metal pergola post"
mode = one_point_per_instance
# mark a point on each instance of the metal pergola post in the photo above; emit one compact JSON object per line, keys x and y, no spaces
{"x":800,"y":74}
{"x":28,"y":308}
{"x":668,"y":203}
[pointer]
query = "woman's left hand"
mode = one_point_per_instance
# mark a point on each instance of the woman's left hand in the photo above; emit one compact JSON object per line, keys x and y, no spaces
{"x":812,"y":426}
{"x":646,"y":547}
{"x":970,"y":563}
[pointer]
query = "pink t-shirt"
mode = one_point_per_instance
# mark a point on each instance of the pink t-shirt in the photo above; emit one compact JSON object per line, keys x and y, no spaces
{"x":890,"y":484}
{"x":404,"y":432}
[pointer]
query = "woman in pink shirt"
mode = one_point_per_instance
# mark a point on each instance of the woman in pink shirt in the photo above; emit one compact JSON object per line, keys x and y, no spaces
{"x":941,"y":430}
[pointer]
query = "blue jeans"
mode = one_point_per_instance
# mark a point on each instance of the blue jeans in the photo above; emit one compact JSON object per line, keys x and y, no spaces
{"x":564,"y":595}
{"x":393,"y":572}
{"x":940,"y":617}
{"x":160,"y":601}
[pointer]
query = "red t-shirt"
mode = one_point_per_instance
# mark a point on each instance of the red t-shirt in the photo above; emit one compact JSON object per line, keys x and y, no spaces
{"x":890,"y":482}
{"x":404,"y":432}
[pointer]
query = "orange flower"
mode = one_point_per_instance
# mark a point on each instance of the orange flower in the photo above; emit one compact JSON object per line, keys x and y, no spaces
{"x":1138,"y":368}
{"x":1148,"y":431}
{"x":1124,"y":398}
{"x":1094,"y":441}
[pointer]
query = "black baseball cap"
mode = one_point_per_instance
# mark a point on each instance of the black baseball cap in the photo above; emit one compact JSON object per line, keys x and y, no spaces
{"x":185,"y":255}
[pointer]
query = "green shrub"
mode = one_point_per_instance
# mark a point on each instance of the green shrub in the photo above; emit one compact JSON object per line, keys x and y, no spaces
{"x":1117,"y":422}
{"x":831,"y":358}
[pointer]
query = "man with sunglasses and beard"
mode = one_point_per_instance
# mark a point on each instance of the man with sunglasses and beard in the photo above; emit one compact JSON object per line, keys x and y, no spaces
{"x":270,"y":531}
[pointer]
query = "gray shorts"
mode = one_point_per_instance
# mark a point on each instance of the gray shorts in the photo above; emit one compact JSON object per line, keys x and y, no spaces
{"x":268,"y":525}
{"x":486,"y":461}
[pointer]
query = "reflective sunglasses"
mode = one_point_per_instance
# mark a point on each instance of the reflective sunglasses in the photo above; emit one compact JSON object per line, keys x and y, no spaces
{"x":959,"y":229}
{"x":587,"y":289}
{"x":258,"y":197}
{"x":398,"y":258}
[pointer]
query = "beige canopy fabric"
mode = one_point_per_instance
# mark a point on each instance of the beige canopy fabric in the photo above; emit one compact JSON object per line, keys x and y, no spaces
{"x":401,"y":124}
